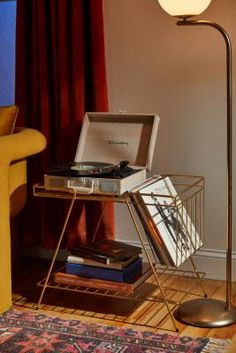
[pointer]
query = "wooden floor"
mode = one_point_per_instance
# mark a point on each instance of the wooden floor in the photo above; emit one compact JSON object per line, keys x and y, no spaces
{"x":136,"y":312}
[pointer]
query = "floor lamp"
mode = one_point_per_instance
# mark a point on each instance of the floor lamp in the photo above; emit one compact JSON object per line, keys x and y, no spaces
{"x":208,"y":312}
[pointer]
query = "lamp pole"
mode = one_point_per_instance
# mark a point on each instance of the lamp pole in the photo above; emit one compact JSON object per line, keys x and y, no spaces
{"x":207,"y":312}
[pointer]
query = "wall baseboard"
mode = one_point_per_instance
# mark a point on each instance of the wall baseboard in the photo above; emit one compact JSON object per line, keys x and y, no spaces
{"x":213,"y":262}
{"x":210,"y":261}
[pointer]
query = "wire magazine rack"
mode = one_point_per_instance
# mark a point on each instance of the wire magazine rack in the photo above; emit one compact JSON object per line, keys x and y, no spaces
{"x":170,"y":209}
{"x":168,"y":215}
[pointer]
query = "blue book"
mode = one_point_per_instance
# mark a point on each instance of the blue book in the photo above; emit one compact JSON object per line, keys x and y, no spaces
{"x":124,"y":275}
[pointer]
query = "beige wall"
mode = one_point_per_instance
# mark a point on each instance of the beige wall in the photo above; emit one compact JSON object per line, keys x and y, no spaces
{"x":154,"y":66}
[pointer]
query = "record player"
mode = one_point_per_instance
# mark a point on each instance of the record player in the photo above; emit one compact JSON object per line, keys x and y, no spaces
{"x":113,"y":154}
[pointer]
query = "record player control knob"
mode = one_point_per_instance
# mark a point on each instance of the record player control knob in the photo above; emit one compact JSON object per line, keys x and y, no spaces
{"x":123,"y":164}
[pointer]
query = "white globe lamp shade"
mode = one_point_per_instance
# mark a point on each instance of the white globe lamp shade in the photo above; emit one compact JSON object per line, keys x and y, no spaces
{"x":184,"y":8}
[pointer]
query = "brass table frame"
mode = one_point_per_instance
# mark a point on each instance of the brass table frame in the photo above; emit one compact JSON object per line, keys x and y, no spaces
{"x":40,"y":190}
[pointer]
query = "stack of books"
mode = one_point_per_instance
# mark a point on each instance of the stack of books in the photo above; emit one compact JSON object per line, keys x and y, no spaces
{"x":106,"y":264}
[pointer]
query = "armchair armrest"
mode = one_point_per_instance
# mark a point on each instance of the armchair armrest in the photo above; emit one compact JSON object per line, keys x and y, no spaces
{"x":21,"y":144}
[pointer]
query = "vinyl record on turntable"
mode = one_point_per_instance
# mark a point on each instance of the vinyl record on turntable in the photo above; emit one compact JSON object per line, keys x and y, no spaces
{"x":88,"y":168}
{"x":84,"y":169}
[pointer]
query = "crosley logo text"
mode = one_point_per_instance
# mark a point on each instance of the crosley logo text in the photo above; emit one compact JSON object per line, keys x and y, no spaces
{"x":113,"y":142}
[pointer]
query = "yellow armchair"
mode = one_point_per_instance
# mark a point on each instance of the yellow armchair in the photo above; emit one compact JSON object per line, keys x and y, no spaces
{"x":14,"y":149}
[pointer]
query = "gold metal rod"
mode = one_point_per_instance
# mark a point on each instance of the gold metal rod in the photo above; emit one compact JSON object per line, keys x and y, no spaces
{"x":198,"y":277}
{"x":150,"y":263}
{"x":98,"y":223}
{"x":57,"y":249}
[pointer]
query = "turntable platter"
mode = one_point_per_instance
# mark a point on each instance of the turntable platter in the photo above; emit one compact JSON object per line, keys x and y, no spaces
{"x":87,"y":168}
{"x":79,"y":167}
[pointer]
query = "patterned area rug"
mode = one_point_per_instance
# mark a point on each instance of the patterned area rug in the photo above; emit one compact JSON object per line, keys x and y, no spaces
{"x":22,"y":332}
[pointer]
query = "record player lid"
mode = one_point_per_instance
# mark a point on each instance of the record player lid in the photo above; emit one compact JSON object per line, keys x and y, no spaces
{"x":112,"y":137}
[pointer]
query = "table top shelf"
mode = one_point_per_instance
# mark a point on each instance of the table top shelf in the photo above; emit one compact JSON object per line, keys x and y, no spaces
{"x":39,"y":190}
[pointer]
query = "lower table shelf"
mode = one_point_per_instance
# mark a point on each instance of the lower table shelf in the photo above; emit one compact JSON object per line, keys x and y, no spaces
{"x":147,"y":295}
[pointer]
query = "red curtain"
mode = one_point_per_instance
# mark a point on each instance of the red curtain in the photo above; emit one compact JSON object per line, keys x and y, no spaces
{"x":60,"y":74}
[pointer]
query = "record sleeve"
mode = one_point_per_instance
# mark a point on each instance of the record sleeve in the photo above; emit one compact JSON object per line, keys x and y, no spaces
{"x":169,"y":228}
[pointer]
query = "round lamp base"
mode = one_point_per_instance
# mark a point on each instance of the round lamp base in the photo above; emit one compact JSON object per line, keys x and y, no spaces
{"x":205,"y":312}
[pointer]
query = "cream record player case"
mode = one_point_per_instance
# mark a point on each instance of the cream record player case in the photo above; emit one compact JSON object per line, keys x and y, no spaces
{"x":112,"y":138}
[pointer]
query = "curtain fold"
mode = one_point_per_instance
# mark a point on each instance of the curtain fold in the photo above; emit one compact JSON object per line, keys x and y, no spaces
{"x":60,"y":74}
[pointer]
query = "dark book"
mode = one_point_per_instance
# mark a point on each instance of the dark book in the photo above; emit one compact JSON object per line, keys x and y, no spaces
{"x":107,"y":251}
{"x":87,"y":255}
{"x":119,"y":265}
{"x":106,"y":273}
{"x":62,"y":277}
